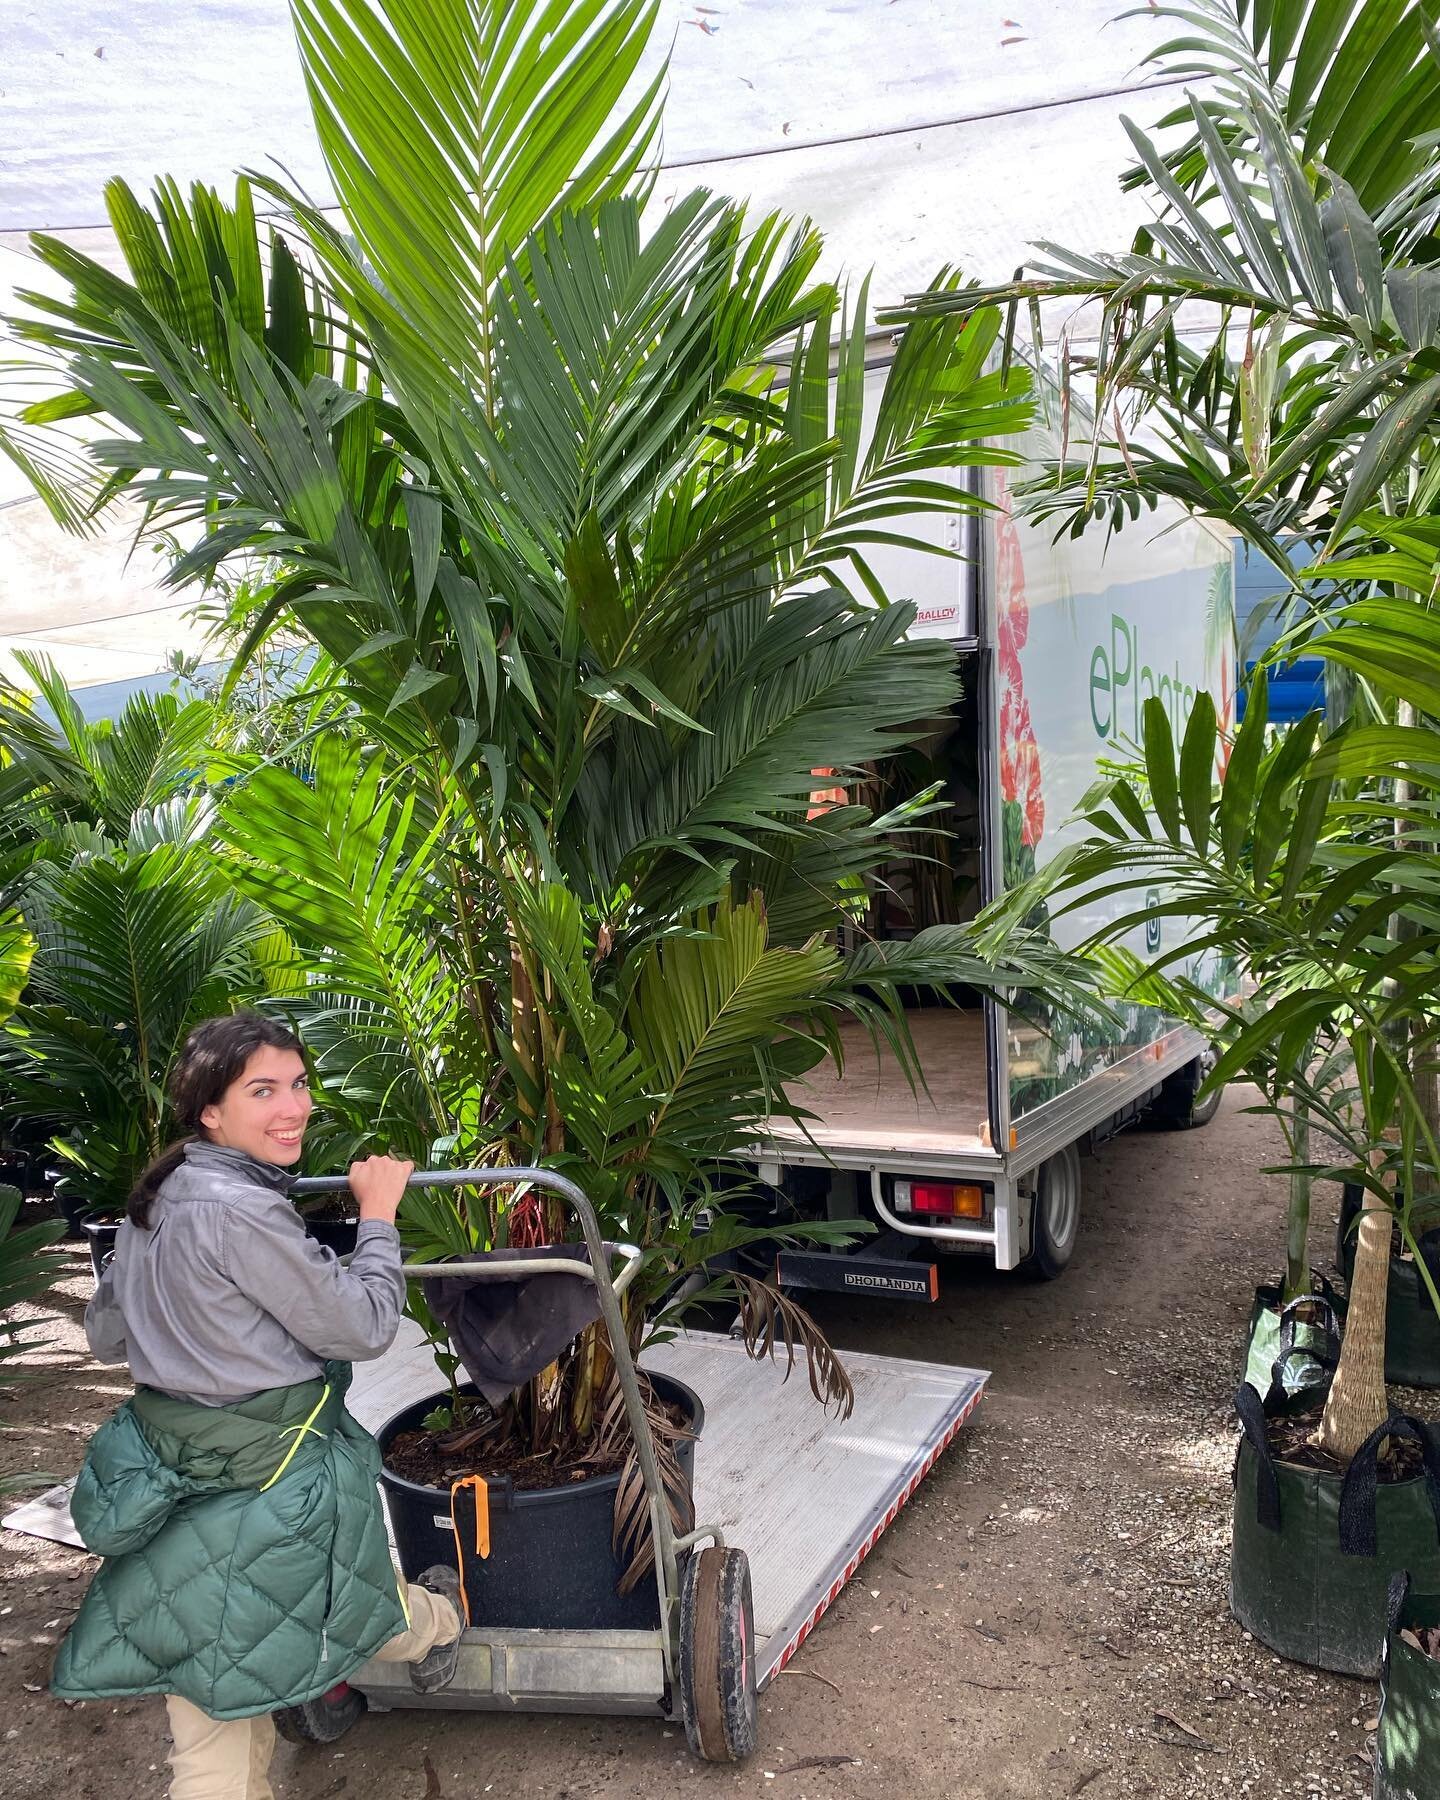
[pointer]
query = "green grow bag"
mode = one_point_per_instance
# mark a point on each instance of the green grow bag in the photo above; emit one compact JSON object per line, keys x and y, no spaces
{"x":1407,"y":1745}
{"x":1290,"y":1361}
{"x":1412,"y":1328}
{"x":1312,"y":1554}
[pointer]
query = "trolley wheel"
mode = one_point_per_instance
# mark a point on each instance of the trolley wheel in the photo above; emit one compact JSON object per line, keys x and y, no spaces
{"x":717,"y":1655}
{"x":322,"y":1720}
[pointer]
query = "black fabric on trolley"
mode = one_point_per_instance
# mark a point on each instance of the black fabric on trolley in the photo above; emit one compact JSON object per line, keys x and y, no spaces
{"x":506,"y":1328}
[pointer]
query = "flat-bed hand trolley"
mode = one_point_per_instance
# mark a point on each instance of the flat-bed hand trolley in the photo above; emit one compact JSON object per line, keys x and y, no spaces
{"x":699,"y":1667}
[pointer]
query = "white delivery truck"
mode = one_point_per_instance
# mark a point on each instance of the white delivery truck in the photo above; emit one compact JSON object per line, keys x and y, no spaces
{"x":1059,"y":645}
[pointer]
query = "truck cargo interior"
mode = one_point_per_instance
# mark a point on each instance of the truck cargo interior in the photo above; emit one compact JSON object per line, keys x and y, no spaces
{"x":935,"y":879}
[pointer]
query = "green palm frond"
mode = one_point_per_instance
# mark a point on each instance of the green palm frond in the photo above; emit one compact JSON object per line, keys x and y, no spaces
{"x":1357,"y":81}
{"x":17,"y":948}
{"x":131,"y":950}
{"x":79,"y":784}
{"x":451,"y":131}
{"x":816,"y":684}
{"x":339,"y":862}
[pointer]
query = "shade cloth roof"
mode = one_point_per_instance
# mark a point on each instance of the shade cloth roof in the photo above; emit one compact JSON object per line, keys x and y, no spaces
{"x":915,"y":132}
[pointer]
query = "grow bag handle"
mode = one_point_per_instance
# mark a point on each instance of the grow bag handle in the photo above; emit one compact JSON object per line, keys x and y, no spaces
{"x":1324,"y":1358}
{"x":1324,"y":1353}
{"x":1267,"y":1482}
{"x":1329,"y":1323}
{"x":1399,"y":1593}
{"x":1358,"y":1495}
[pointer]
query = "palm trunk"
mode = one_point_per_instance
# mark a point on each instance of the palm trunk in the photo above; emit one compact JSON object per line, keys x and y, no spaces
{"x":1357,"y":1402}
{"x":1427,"y":1082}
{"x":1297,"y":1242}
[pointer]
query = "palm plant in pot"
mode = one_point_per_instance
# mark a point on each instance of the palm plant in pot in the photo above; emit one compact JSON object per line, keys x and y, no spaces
{"x":566,"y":492}
{"x":1301,"y":882}
{"x":1266,"y":358}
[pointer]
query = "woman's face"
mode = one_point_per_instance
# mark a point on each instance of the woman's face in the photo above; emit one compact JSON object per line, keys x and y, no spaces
{"x":265,"y":1109}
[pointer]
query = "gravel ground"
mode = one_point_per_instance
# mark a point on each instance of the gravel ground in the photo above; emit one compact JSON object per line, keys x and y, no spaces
{"x":1047,"y":1618}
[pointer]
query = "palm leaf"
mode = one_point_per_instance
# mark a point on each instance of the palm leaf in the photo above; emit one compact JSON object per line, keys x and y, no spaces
{"x":1356,"y":80}
{"x":451,"y":131}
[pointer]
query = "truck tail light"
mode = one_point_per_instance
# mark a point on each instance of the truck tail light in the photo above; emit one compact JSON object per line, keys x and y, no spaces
{"x":942,"y":1198}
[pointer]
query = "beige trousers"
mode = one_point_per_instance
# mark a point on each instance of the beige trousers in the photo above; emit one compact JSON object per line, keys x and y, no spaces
{"x":229,"y":1759}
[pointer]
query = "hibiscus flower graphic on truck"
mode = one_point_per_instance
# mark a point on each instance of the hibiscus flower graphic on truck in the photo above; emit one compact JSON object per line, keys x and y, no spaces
{"x":1021,"y":796}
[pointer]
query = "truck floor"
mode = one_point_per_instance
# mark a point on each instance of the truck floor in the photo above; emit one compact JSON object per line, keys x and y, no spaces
{"x":870,"y":1104}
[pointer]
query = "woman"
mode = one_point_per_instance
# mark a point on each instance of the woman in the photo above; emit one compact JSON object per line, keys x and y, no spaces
{"x":233,"y":1497}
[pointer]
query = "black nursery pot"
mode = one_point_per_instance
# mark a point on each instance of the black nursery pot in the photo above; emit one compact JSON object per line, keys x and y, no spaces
{"x":338,"y":1235}
{"x":74,"y":1209}
{"x":1313,"y":1552}
{"x":551,"y":1563}
{"x":100,"y":1236}
{"x":1412,"y":1327}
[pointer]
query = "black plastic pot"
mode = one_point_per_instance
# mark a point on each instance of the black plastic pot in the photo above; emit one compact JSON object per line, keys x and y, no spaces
{"x":551,"y":1561}
{"x":1412,"y":1327}
{"x":1292,"y":1347}
{"x":1313,"y":1553}
{"x":74,"y":1208}
{"x":1407,"y":1743}
{"x":335,"y":1234}
{"x":100,"y":1236}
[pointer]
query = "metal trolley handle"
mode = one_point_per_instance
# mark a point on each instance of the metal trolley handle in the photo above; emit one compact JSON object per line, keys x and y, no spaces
{"x":668,"y":1545}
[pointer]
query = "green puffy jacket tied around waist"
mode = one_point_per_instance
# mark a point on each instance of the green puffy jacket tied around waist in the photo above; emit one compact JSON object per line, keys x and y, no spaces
{"x":246,"y":1565}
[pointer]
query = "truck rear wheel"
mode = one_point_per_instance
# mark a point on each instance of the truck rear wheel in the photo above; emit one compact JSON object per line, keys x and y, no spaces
{"x":322,"y":1720}
{"x":1054,"y":1215}
{"x":1177,"y":1106}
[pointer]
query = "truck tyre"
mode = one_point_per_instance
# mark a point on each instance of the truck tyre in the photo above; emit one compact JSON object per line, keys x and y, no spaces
{"x":1054,"y":1215}
{"x":1177,"y":1106}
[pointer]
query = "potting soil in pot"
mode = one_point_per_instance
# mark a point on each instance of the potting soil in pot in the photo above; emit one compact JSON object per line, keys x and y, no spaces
{"x":479,"y":1446}
{"x":1407,"y":1743}
{"x":1314,"y":1548}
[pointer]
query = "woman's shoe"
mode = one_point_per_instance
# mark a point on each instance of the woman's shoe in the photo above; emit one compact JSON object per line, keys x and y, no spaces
{"x":435,"y":1671}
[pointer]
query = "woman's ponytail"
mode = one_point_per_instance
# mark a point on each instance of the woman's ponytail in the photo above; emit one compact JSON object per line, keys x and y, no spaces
{"x":142,"y":1195}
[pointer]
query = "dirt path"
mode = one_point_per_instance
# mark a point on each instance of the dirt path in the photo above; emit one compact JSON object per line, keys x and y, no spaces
{"x":1046,"y":1619}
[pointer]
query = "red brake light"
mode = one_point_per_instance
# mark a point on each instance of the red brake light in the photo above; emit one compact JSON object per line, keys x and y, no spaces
{"x":944,"y":1198}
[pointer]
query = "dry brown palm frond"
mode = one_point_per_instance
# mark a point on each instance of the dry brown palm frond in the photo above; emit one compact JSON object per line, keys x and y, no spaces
{"x":632,"y":1537}
{"x":769,"y":1318}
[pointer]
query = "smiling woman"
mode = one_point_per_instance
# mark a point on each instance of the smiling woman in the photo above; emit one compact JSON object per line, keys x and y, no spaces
{"x":241,"y":1083}
{"x":239,"y":1330}
{"x":264,"y":1111}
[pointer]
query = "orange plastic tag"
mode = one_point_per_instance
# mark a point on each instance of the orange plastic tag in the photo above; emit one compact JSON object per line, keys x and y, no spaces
{"x":482,"y":1528}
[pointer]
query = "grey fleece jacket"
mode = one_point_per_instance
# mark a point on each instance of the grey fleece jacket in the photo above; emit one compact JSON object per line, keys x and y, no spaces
{"x":225,"y":1295}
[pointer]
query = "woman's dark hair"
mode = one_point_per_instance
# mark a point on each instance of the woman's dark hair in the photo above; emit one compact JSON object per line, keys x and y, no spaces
{"x":214,"y":1055}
